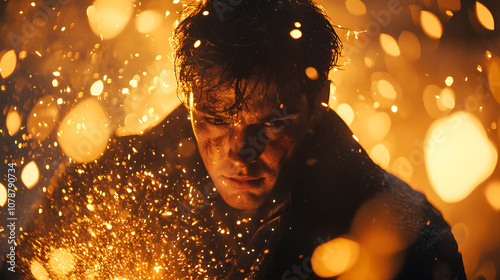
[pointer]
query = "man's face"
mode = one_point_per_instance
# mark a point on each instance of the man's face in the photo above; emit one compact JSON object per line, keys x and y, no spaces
{"x":246,"y":152}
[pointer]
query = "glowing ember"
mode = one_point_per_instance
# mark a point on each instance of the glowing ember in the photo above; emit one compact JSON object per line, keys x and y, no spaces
{"x":346,"y":113}
{"x":334,"y":257}
{"x":355,"y":7}
{"x":197,"y":43}
{"x":84,"y":132}
{"x":30,"y":175}
{"x":492,"y":193}
{"x":389,"y":44}
{"x":3,"y":195}
{"x":449,"y":81}
{"x":312,"y":73}
{"x":108,"y":18}
{"x":458,"y":156}
{"x":97,"y":88}
{"x":296,"y":34}
{"x":43,"y":117}
{"x":484,"y":16}
{"x":39,"y":271}
{"x":8,"y":63}
{"x":487,"y":53}
{"x":13,"y":122}
{"x":431,"y":25}
{"x":61,"y":261}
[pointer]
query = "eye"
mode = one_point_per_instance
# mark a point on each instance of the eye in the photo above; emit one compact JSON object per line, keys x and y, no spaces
{"x":216,"y":121}
{"x":277,"y":124}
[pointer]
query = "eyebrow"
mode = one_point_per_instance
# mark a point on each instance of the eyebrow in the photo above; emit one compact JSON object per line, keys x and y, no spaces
{"x":275,"y":117}
{"x":226,"y":116}
{"x":213,"y":114}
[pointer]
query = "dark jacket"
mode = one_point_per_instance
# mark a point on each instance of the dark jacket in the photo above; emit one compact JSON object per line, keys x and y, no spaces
{"x":147,"y":209}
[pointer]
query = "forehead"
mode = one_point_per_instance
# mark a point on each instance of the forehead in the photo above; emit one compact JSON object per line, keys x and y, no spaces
{"x":258,"y":98}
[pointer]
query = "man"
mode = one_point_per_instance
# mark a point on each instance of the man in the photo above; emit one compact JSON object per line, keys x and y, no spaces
{"x":254,"y":77}
{"x":274,"y":174}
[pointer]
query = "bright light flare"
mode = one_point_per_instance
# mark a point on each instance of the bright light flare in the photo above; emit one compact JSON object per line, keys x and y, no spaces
{"x":197,"y":44}
{"x":8,"y":63}
{"x":334,"y":257}
{"x":449,"y":81}
{"x":312,"y":73}
{"x":3,"y":195}
{"x":13,"y":122}
{"x":492,"y":193}
{"x":431,"y":25}
{"x":389,"y":44}
{"x":39,"y":271}
{"x":355,"y":7}
{"x":458,"y":156}
{"x":378,"y":125}
{"x":446,"y":100}
{"x":484,"y":16}
{"x":296,"y":34}
{"x":84,"y":132}
{"x":386,"y":89}
{"x":30,"y":175}
{"x":346,"y":113}
{"x":97,"y":88}
{"x":432,"y":101}
{"x":43,"y":118}
{"x":108,"y":18}
{"x":61,"y":261}
{"x":380,"y":155}
{"x":148,"y":21}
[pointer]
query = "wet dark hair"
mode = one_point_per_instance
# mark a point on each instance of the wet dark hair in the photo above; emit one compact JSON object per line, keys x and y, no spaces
{"x":227,"y":43}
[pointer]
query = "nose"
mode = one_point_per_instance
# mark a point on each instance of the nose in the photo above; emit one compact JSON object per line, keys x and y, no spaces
{"x":245,"y":146}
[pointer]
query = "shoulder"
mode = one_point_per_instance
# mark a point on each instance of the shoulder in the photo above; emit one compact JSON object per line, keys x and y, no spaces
{"x":399,"y":225}
{"x":431,"y":251}
{"x":376,"y":209}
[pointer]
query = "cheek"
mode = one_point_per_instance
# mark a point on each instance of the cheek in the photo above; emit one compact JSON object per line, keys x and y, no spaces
{"x":278,"y":150}
{"x":209,"y":145}
{"x":285,"y":143}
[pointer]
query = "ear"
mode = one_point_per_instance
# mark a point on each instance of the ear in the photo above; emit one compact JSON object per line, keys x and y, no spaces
{"x":324,"y":95}
{"x":319,"y":105}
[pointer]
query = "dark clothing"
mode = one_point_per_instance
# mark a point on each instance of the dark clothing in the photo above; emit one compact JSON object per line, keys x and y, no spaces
{"x":147,"y":208}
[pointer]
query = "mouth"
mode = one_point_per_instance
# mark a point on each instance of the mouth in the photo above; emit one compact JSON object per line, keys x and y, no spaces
{"x":244,"y":182}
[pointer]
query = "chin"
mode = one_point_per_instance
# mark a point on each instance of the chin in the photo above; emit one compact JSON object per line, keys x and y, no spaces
{"x":243,"y":201}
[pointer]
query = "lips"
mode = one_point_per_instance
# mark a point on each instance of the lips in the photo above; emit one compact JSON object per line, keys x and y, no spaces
{"x":244,"y":182}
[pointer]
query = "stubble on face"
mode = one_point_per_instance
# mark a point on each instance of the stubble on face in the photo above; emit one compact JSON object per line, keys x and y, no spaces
{"x":245,"y":152}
